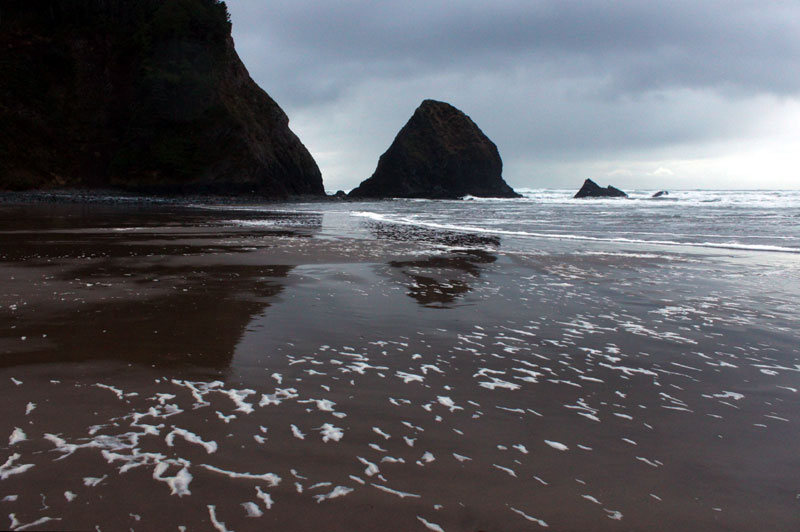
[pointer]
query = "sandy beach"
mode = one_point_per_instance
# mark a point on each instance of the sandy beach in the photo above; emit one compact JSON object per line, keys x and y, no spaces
{"x":169,"y":367}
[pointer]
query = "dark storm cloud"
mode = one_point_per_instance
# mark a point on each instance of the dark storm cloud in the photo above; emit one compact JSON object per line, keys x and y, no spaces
{"x":635,"y":46}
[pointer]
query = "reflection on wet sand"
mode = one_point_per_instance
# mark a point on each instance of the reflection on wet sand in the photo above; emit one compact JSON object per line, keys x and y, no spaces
{"x":100,"y":284}
{"x":439,"y":281}
{"x":197,"y":320}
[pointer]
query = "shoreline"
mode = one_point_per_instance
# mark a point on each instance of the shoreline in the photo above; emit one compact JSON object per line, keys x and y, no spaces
{"x":122,"y":197}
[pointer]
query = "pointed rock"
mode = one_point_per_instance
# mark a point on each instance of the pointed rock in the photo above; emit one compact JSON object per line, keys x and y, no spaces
{"x":439,"y":154}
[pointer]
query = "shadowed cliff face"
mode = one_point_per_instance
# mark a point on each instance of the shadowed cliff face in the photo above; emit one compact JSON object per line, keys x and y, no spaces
{"x":439,"y":154}
{"x":147,"y":95}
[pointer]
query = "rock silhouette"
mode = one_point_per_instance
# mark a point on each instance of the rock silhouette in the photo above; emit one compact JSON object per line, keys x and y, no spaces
{"x":590,"y":189}
{"x":147,"y":95}
{"x":439,"y":154}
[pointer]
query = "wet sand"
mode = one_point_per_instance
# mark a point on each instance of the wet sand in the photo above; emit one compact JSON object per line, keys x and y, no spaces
{"x":165,"y":367}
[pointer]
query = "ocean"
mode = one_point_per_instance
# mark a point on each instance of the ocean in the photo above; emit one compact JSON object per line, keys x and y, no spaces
{"x":738,"y":220}
{"x":754,"y":234}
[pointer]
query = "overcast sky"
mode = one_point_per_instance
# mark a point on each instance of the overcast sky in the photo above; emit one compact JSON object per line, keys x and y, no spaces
{"x":639,"y":94}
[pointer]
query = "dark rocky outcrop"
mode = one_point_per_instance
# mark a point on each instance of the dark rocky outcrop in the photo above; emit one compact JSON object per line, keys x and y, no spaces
{"x":590,"y":189}
{"x":661,"y":194}
{"x":439,"y":154}
{"x":147,"y":95}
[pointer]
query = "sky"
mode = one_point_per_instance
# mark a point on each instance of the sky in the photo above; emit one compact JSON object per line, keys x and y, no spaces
{"x":644,"y":94}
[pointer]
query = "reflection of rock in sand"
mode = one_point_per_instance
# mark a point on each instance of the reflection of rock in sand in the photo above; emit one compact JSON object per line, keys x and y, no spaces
{"x":196,"y":316}
{"x":197,"y":320}
{"x":170,"y":287}
{"x":440,"y":281}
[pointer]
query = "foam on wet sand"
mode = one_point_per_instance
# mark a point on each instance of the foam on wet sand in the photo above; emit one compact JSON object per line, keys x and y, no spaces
{"x":379,"y":376}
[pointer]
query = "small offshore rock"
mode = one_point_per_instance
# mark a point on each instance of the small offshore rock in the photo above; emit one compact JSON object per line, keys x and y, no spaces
{"x":590,"y":189}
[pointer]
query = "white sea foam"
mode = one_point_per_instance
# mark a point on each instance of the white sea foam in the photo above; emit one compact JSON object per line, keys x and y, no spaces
{"x":18,"y":527}
{"x":216,"y":523}
{"x":429,"y":525}
{"x":652,"y":463}
{"x":9,"y":469}
{"x":495,"y":383}
{"x":371,"y":469}
{"x":252,"y":509}
{"x":191,"y":437}
{"x":447,"y":402}
{"x":529,"y":517}
{"x":329,"y":432}
{"x":226,"y":419}
{"x":270,"y":478}
{"x":265,"y":498}
{"x":556,"y":445}
{"x":732,"y":395}
{"x":379,"y":432}
{"x":17,"y":436}
{"x":324,"y":405}
{"x":409,"y":377}
{"x":178,"y":483}
{"x":521,"y":448}
{"x":238,"y":397}
{"x":278,"y":396}
{"x":591,"y":499}
{"x":401,"y":494}
{"x":338,"y":491}
{"x":91,"y":482}
{"x":506,"y":470}
{"x":119,"y":393}
{"x":297,"y":433}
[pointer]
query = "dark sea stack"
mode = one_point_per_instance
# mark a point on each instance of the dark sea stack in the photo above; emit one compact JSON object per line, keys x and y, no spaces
{"x":145,"y":95}
{"x":590,"y":189}
{"x":439,"y":154}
